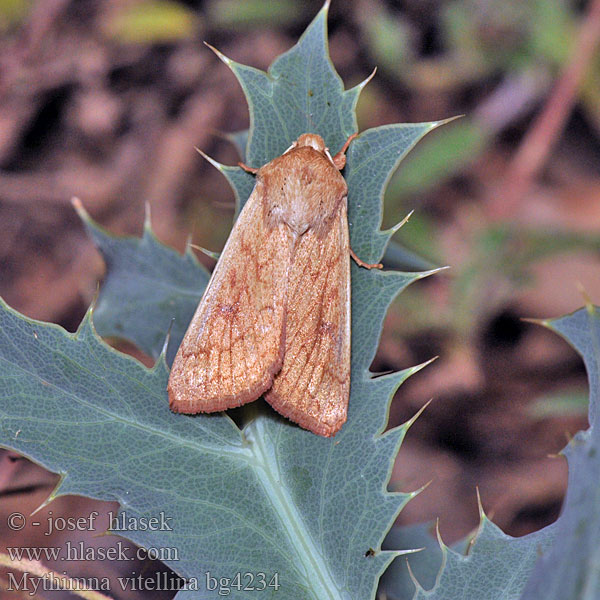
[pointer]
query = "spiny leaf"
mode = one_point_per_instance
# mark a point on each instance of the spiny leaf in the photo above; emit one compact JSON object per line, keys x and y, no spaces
{"x":372,"y":158}
{"x":269,"y":499}
{"x":496,"y":568}
{"x":499,"y":567}
{"x":301,"y":93}
{"x":396,"y":582}
{"x":148,"y":287}
{"x":570,"y":569}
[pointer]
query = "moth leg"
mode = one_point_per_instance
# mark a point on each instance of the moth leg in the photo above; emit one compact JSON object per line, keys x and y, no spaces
{"x":339,"y":160}
{"x":362,"y":263}
{"x":247,"y":168}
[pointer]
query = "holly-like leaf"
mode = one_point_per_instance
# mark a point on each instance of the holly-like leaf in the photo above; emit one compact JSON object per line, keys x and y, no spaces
{"x":570,"y":568}
{"x":302,"y":93}
{"x":397,"y":581}
{"x":149,"y":287}
{"x":371,"y":160}
{"x":496,"y":567}
{"x":271,"y":498}
{"x":559,"y":562}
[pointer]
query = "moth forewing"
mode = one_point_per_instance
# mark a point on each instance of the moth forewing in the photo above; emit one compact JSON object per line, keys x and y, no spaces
{"x":275,"y":317}
{"x":313,"y":385}
{"x":234,"y":343}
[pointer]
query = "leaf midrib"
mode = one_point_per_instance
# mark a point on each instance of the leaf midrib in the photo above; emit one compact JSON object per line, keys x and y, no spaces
{"x":308,"y":552}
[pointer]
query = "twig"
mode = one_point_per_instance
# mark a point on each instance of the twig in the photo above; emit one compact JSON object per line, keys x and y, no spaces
{"x":545,"y":130}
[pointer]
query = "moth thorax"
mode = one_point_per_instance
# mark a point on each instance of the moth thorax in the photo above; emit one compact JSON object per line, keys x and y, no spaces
{"x":312,"y":140}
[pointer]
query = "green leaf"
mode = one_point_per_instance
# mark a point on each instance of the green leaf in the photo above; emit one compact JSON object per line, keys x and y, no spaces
{"x":397,"y":582}
{"x":372,"y":158}
{"x":153,"y":21}
{"x":99,"y":417}
{"x":496,"y":568}
{"x":569,"y":570}
{"x":301,"y":93}
{"x":271,"y":497}
{"x":571,"y":403}
{"x":149,"y":288}
{"x":233,"y":14}
{"x":424,"y":566}
{"x":500,"y":567}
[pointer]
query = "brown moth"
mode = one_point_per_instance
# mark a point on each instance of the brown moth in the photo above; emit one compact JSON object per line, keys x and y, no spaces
{"x":275,"y":316}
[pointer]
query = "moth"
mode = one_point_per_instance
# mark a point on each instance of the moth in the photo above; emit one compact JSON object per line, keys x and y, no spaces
{"x":274,"y":319}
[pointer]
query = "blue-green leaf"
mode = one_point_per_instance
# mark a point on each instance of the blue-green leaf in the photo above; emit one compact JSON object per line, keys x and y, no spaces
{"x":559,"y":562}
{"x":148,"y":289}
{"x":496,"y":568}
{"x":570,"y":570}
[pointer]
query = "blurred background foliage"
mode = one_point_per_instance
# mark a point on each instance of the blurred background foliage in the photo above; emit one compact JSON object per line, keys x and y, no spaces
{"x":106,"y":100}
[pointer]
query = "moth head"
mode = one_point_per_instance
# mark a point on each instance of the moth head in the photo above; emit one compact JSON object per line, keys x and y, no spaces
{"x":312,"y":140}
